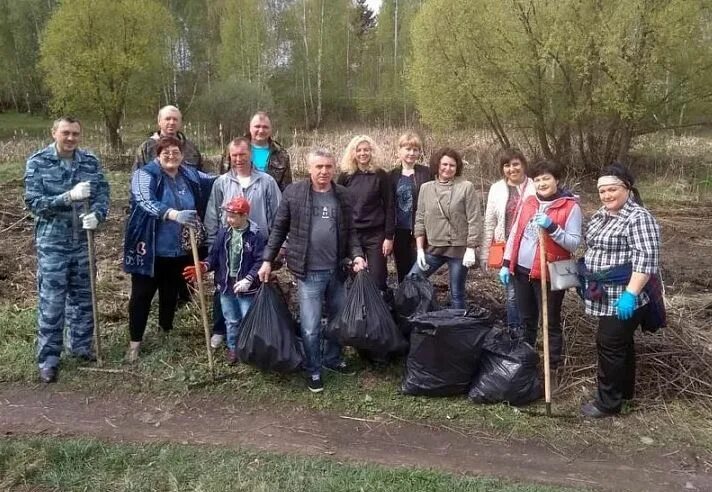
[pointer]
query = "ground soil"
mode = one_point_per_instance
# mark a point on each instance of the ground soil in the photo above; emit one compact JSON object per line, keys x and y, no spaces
{"x":391,"y":442}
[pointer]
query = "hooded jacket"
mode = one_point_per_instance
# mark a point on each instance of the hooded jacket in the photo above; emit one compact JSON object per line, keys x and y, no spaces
{"x":253,"y":247}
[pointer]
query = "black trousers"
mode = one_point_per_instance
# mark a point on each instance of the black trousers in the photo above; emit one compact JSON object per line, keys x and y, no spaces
{"x":403,"y":252}
{"x":616,"y":360}
{"x":167,"y":277}
{"x":371,"y":241}
{"x":528,"y":294}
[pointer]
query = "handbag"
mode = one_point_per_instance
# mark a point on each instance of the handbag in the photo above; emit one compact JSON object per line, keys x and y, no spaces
{"x":495,"y":258}
{"x":563,"y":274}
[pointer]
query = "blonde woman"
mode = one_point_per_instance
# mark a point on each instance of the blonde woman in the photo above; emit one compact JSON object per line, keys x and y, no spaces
{"x":406,"y":179}
{"x":372,"y":203}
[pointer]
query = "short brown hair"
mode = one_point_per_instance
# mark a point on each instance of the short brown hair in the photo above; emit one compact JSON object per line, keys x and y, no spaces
{"x":507,"y":155}
{"x":168,"y":141}
{"x":445,"y":152}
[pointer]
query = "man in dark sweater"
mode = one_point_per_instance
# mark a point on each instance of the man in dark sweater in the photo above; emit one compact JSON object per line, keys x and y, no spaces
{"x":316,"y":215}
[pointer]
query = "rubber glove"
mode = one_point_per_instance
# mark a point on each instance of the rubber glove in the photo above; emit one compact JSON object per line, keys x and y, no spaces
{"x":81,"y":191}
{"x":542,"y":220}
{"x":189,"y":271}
{"x":470,"y":259}
{"x":504,"y":275}
{"x":89,"y":221}
{"x":626,"y":305}
{"x":187,"y":218}
{"x":242,"y":286}
{"x":420,"y":260}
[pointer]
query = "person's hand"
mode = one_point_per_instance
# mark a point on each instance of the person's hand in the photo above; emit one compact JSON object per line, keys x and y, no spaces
{"x":265,"y":271}
{"x":470,"y":259}
{"x":189,"y":272}
{"x":81,"y":191}
{"x":387,"y":246}
{"x":542,"y":220}
{"x":626,"y":305}
{"x":420,"y":260}
{"x":504,"y":275}
{"x":242,"y":286}
{"x":359,"y":264}
{"x":89,"y":221}
{"x":187,"y":218}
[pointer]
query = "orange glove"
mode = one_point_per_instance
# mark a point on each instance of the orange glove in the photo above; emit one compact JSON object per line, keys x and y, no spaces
{"x":189,"y":272}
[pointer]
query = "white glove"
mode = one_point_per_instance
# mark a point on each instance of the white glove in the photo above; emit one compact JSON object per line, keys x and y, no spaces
{"x":242,"y":286}
{"x":89,"y":221}
{"x":470,"y":259}
{"x":420,"y":261}
{"x":81,"y":191}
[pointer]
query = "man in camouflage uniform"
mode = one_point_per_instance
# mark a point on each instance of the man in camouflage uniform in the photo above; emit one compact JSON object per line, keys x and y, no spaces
{"x":60,"y":180}
{"x":170,"y":122}
{"x":267,"y":154}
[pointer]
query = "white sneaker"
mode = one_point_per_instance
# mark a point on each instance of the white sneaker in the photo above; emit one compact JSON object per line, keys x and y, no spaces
{"x":216,"y":340}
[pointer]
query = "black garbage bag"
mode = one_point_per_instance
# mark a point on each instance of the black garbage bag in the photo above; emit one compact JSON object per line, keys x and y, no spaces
{"x":268,"y":333}
{"x":365,"y":322}
{"x":415,"y":295}
{"x":444,"y":351}
{"x":508,"y":371}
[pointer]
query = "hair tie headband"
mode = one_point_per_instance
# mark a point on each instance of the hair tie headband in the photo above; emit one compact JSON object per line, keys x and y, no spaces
{"x":610,"y":181}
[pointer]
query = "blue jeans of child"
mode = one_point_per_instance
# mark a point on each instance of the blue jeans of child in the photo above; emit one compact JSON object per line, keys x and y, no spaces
{"x":456,"y":270}
{"x":316,"y":287}
{"x":234,"y":309}
{"x":513,"y":321}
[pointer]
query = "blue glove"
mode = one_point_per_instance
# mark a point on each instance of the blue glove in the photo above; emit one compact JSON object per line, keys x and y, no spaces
{"x":543,"y":220}
{"x":626,"y":305}
{"x":188,"y":218}
{"x":504,"y":275}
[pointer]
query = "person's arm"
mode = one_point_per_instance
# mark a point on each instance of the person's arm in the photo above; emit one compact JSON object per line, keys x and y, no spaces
{"x":644,"y":241}
{"x":490,"y":223}
{"x":474,"y":217}
{"x":287,"y":177}
{"x":212,"y":213}
{"x":274,"y":197}
{"x":568,"y":237}
{"x":144,"y":193}
{"x":419,"y":227}
{"x":100,"y":196}
{"x":257,"y":253}
{"x":510,"y":240}
{"x":39,"y":203}
{"x":280,"y":229}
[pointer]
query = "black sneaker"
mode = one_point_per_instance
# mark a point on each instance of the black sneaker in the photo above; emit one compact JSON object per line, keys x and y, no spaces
{"x":341,"y":368}
{"x":48,"y":375}
{"x":314,"y":384}
{"x":592,"y":411}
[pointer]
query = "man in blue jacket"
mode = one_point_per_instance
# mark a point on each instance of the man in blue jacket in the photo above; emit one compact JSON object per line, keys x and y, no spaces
{"x":66,"y":191}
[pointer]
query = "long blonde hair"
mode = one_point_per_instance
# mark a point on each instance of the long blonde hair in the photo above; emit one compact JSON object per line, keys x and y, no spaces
{"x":348,"y":162}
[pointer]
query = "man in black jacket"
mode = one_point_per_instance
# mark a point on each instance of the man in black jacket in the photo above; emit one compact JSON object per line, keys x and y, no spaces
{"x":316,"y":215}
{"x":267,"y":154}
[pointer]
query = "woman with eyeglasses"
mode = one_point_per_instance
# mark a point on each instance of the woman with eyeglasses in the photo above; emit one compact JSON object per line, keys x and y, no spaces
{"x":167,"y":197}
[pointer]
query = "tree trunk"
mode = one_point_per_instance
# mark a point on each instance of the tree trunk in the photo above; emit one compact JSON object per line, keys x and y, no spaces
{"x":319,"y":66}
{"x":112,"y":123}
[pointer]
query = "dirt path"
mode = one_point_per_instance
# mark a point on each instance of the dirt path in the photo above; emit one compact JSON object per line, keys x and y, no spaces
{"x":392,"y":442}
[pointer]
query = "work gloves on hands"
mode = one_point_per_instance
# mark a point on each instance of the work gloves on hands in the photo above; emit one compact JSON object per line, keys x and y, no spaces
{"x":626,"y":305}
{"x":189,"y":272}
{"x":504,"y":275}
{"x":242,"y":286}
{"x":470,"y":259}
{"x":80,"y":191}
{"x":543,"y":220}
{"x":187,"y":218}
{"x":89,"y":221}
{"x":420,"y":260}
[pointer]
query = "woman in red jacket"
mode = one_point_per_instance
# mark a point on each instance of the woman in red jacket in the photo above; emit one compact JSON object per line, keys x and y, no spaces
{"x":558,"y":215}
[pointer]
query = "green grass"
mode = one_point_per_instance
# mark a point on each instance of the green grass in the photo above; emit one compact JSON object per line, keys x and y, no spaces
{"x":18,"y":125}
{"x":79,"y":464}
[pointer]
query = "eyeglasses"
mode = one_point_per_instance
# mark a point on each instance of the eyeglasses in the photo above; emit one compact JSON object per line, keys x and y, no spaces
{"x":171,"y":153}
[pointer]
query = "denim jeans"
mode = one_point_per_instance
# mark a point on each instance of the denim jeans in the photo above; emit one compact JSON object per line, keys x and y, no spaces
{"x":234,"y":308}
{"x":513,"y":321}
{"x":457,"y":271}
{"x":316,"y":287}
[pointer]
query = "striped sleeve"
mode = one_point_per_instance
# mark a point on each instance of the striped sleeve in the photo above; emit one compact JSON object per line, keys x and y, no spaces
{"x":144,"y":194}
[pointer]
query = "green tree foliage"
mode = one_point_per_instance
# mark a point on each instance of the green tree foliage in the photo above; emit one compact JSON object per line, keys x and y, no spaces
{"x":584,"y":76}
{"x":100,"y":55}
{"x":20,"y":26}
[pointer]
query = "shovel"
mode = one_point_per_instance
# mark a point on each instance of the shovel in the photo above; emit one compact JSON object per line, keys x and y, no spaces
{"x":92,"y":284}
{"x":201,"y":297}
{"x":545,"y":322}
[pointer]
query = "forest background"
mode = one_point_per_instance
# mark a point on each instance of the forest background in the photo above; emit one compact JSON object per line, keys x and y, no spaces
{"x":577,"y":81}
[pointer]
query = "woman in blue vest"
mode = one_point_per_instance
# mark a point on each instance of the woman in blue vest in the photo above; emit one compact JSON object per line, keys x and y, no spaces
{"x":166,"y":198}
